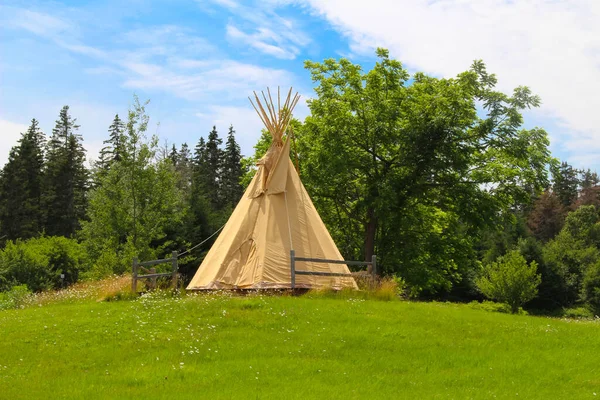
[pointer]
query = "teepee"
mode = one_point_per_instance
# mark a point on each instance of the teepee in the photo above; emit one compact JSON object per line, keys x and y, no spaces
{"x":274,"y":216}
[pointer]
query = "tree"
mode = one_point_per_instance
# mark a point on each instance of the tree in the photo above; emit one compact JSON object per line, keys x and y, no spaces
{"x":547,"y":217}
{"x":173,"y":155}
{"x":135,"y":204}
{"x":66,"y":178}
{"x":21,"y":210}
{"x":565,"y":183}
{"x":232,"y":171}
{"x":510,"y":280}
{"x":212,"y":168}
{"x":409,"y":170}
{"x":588,"y":179}
{"x":113,"y":149}
{"x":184,"y":169}
{"x":570,"y":254}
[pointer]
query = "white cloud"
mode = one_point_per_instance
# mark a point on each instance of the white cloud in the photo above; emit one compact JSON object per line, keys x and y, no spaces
{"x":259,"y":26}
{"x":38,"y":23}
{"x":10,"y":132}
{"x":225,"y":78}
{"x":552,"y":46}
{"x":259,"y":41}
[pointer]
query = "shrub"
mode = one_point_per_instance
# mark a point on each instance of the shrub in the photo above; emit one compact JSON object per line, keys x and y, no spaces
{"x":591,"y":288}
{"x":39,"y":262}
{"x":510,"y":280}
{"x":14,"y":298}
{"x":577,"y":313}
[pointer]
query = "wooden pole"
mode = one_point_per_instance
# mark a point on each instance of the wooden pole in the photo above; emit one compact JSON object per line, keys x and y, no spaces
{"x":153,"y":279}
{"x":134,"y":271}
{"x":293,"y":268}
{"x":174,"y":266}
{"x":374,"y":266}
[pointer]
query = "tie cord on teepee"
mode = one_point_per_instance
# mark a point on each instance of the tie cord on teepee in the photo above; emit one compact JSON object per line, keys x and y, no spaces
{"x":275,"y":119}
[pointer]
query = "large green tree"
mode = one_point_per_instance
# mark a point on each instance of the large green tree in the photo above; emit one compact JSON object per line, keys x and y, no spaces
{"x":135,"y":204}
{"x":21,"y":210}
{"x":66,"y":178}
{"x":410,"y":168}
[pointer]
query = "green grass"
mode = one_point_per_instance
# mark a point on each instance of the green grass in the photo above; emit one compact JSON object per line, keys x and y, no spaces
{"x":220,"y":347}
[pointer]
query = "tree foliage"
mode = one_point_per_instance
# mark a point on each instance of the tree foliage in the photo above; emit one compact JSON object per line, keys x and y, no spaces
{"x":510,"y":280}
{"x":22,"y":214}
{"x":406,"y":167}
{"x":136,"y":202}
{"x":66,"y":178}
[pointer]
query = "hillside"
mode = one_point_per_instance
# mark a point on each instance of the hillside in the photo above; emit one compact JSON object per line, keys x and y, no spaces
{"x":221,"y":347}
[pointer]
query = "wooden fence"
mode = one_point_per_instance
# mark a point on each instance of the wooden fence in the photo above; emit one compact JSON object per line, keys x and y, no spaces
{"x":152,"y":275}
{"x":294,"y":271}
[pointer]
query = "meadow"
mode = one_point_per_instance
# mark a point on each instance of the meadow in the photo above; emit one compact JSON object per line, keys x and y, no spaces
{"x":222,"y":346}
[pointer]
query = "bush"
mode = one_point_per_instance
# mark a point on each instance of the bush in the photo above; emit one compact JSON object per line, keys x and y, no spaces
{"x":577,"y":313}
{"x":591,"y":288}
{"x":39,"y":262}
{"x":510,"y":280}
{"x":14,"y":298}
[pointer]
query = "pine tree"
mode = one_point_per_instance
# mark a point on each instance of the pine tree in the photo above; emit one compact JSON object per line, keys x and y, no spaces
{"x":184,"y":169}
{"x":201,"y":212}
{"x":589,"y":179}
{"x":232,"y":171}
{"x":66,"y":180}
{"x":212,"y":170}
{"x":565,"y":183}
{"x":21,"y":211}
{"x":173,"y":155}
{"x":112,"y":151}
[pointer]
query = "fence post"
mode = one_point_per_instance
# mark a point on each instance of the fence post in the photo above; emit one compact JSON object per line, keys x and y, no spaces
{"x":174,"y":266}
{"x":134,"y":271}
{"x":153,"y":280}
{"x":374,"y":266}
{"x":293,"y":268}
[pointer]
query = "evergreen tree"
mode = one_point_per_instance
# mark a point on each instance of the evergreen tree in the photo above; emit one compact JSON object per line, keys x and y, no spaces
{"x":21,"y":211}
{"x":66,"y":180}
{"x":203,"y":217}
{"x":214,"y":157}
{"x":589,"y":179}
{"x":207,"y":168}
{"x":565,"y":183}
{"x":232,"y":171}
{"x":113,"y":149}
{"x":137,"y":204}
{"x":184,"y":169}
{"x":199,"y":203}
{"x":173,"y":155}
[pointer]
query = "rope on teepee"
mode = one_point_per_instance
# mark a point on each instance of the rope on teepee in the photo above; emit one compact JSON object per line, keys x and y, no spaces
{"x":202,"y":242}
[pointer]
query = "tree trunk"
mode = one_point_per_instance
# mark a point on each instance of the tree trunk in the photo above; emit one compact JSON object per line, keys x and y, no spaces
{"x":370,"y":231}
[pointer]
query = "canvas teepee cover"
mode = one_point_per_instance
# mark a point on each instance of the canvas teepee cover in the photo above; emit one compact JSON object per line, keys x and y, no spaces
{"x":274,"y":215}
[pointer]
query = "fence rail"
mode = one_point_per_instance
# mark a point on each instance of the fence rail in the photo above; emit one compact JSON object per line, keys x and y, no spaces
{"x":135,"y":276}
{"x":293,"y":271}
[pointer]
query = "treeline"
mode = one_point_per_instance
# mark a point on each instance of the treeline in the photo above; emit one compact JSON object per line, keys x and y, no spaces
{"x":437,"y":177}
{"x":58,"y":217}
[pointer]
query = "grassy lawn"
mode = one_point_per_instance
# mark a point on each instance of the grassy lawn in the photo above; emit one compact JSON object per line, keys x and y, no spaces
{"x":219,"y":347}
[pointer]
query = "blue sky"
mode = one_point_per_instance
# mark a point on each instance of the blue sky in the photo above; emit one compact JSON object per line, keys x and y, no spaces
{"x":197,"y":61}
